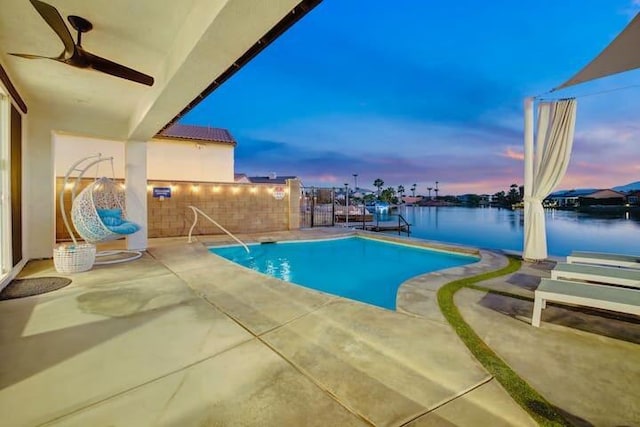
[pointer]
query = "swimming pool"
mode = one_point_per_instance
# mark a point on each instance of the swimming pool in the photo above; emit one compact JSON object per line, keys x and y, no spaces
{"x":358,"y":268}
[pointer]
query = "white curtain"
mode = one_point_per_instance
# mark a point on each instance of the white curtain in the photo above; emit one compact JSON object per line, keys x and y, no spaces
{"x":545,"y":166}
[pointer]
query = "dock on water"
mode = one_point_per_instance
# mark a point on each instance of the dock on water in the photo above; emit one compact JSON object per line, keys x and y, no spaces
{"x":386,"y":226}
{"x":381,"y":226}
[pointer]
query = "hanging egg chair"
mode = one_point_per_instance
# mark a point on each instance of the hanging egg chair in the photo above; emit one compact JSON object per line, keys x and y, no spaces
{"x":98,"y":215}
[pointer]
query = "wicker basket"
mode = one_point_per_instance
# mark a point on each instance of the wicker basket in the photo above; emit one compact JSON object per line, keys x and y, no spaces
{"x":74,"y":258}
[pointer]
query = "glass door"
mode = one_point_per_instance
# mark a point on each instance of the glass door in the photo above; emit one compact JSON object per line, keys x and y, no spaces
{"x":5,"y":180}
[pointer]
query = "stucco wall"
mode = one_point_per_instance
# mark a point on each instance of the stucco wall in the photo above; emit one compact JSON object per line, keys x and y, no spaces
{"x":170,"y":160}
{"x":240,"y":208}
{"x":189,"y":161}
{"x":68,"y":149}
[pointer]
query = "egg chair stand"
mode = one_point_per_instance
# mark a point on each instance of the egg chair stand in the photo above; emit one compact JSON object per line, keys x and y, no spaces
{"x":98,"y":215}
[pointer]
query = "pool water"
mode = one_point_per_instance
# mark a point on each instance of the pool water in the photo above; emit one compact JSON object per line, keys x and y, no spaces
{"x":358,"y":268}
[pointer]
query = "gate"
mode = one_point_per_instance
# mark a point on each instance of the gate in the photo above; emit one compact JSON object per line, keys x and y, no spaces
{"x":317,"y":207}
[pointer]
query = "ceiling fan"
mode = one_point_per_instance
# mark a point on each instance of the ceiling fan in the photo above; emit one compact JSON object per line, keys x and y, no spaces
{"x":73,"y":53}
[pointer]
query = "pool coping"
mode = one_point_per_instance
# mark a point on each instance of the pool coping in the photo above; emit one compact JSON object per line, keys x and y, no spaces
{"x":418,"y":295}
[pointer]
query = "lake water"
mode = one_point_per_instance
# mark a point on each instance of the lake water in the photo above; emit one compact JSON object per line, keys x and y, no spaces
{"x":503,"y":229}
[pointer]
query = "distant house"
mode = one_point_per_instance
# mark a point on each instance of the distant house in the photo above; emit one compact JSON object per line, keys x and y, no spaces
{"x":574,"y":198}
{"x":633,"y":198}
{"x":606,"y":194}
{"x":603,"y":198}
{"x":569,"y":198}
{"x":362,"y":192}
{"x":468,"y":198}
{"x":410,"y":200}
{"x":474,"y":199}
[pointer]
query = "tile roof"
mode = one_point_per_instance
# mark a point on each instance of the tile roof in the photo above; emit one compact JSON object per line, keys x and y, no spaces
{"x":574,"y":193}
{"x":240,"y":177}
{"x":197,"y":133}
{"x":271,"y":179}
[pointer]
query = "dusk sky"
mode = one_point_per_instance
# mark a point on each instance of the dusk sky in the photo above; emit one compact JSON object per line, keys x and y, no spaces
{"x":423,"y":91}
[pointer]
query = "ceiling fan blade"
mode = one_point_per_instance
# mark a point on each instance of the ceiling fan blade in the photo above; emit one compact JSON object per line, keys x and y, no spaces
{"x":53,"y":18}
{"x":29,"y":56}
{"x":110,"y":67}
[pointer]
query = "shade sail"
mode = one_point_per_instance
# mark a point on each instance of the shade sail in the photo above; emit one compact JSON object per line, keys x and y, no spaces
{"x":621,"y":55}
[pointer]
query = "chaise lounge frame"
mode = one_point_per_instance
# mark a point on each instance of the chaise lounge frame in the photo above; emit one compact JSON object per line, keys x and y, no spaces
{"x":597,"y":273}
{"x":601,"y":258}
{"x":605,"y":297}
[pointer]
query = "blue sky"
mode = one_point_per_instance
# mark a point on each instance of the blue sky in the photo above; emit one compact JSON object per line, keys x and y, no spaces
{"x":424,"y":91}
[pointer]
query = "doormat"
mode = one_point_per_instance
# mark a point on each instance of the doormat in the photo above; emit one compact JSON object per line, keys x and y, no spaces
{"x":19,"y":288}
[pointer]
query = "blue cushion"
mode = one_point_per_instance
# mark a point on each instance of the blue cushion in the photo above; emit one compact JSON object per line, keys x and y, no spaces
{"x":127,"y":227}
{"x":110,"y":213}
{"x":110,"y":221}
{"x":110,"y":217}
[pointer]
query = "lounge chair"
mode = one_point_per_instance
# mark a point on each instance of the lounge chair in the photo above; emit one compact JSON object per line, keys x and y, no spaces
{"x":612,"y":298}
{"x":615,"y":260}
{"x":597,"y":273}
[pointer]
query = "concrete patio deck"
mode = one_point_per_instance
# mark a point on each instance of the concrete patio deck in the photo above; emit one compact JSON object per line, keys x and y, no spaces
{"x":183,"y":337}
{"x":585,"y":362}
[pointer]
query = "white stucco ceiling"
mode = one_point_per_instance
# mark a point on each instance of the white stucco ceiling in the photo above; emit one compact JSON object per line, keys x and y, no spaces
{"x":183,"y":44}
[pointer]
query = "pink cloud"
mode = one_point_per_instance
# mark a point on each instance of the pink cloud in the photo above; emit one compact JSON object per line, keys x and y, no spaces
{"x":327,"y":178}
{"x":487,"y":186}
{"x":510,"y":153}
{"x":588,"y":175}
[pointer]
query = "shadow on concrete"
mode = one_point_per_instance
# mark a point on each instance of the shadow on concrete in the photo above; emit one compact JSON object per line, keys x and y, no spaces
{"x":610,"y":324}
{"x":25,"y":356}
{"x":574,"y":420}
{"x":525,"y":281}
{"x":539,"y":408}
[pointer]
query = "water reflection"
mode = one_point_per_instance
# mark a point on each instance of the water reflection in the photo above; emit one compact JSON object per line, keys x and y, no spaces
{"x":503,"y":228}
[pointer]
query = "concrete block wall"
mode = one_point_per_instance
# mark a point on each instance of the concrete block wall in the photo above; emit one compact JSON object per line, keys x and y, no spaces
{"x":240,"y":208}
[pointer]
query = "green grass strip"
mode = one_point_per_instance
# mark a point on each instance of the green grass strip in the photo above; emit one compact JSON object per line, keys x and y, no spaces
{"x":528,"y":398}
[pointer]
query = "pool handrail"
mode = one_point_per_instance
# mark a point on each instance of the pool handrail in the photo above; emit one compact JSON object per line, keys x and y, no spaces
{"x":197,"y":211}
{"x":402,"y":219}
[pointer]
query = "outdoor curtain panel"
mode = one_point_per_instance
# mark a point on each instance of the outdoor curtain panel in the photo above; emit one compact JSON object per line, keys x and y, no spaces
{"x":554,"y":139}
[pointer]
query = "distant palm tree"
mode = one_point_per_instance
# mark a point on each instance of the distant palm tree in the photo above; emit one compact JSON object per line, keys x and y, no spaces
{"x":401,"y":191}
{"x":378,"y":183}
{"x":388,"y":194}
{"x":413,"y":190}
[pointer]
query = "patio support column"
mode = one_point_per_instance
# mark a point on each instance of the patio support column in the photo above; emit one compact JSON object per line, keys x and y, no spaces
{"x":136,"y":192}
